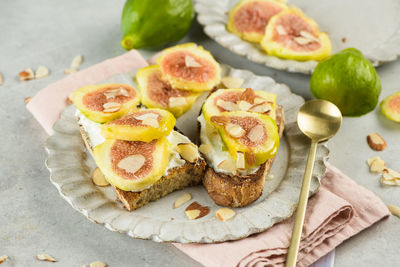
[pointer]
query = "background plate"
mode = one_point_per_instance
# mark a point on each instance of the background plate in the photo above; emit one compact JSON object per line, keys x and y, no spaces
{"x":70,"y":168}
{"x":369,"y":25}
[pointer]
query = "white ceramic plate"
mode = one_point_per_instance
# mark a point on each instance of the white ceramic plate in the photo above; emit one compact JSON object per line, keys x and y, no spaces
{"x":369,"y":25}
{"x":70,"y":168}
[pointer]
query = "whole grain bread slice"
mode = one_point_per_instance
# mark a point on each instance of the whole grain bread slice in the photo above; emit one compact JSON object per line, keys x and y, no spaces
{"x":177,"y":178}
{"x":240,"y":191}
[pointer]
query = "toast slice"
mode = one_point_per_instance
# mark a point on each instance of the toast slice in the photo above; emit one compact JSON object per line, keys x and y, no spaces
{"x":239,"y":191}
{"x":177,"y":178}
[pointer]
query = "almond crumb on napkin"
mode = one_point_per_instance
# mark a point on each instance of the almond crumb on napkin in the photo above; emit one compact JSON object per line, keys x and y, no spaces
{"x":339,"y":210}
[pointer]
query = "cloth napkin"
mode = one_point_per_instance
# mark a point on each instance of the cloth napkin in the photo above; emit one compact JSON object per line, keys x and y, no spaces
{"x":338,"y":211}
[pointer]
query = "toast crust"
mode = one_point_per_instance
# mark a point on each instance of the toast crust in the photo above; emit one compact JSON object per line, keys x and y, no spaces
{"x":177,"y":178}
{"x":239,"y":191}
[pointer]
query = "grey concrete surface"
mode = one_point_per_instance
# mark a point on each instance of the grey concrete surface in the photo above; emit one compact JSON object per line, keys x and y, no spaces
{"x":35,"y":219}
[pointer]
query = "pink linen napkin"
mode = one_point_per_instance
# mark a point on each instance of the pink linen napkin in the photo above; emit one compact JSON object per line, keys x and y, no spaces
{"x":47,"y":105}
{"x":339,"y":210}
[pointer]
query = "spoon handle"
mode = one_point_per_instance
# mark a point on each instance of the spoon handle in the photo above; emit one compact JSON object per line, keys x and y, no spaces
{"x":301,"y":208}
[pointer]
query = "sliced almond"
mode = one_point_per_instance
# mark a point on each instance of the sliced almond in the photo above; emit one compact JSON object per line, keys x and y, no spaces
{"x":1,"y":79}
{"x":124,"y":92}
{"x":182,"y":200}
{"x":377,"y":166}
{"x":151,"y":122}
{"x":188,"y":152}
{"x":376,"y":142}
{"x":3,"y":258}
{"x":28,"y":99}
{"x":195,"y":211}
{"x":41,"y":72}
{"x":176,"y":101}
{"x":244,"y":105}
{"x":225,"y":214}
{"x":302,"y":40}
{"x":76,"y":62}
{"x":394,"y":210}
{"x":149,"y":115}
{"x":232,"y":82}
{"x":111,"y":105}
{"x":227,"y":105}
{"x":70,"y":71}
{"x":97,"y":264}
{"x":280,"y":30}
{"x":45,"y":257}
{"x":234,"y":130}
{"x":370,"y":160}
{"x":259,"y":100}
{"x":26,"y":75}
{"x":393,"y":173}
{"x":98,"y":178}
{"x":191,"y":62}
{"x":110,"y":110}
{"x":256,"y":133}
{"x":261,"y":108}
{"x":132,"y":163}
{"x":228,"y":166}
{"x":308,"y":35}
{"x":205,"y":149}
{"x":240,"y":162}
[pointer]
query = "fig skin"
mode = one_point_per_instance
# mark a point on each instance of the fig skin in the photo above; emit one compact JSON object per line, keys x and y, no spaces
{"x":98,"y":116}
{"x":111,"y":130}
{"x":142,"y":77}
{"x":251,"y":36}
{"x":190,"y":84}
{"x":159,"y":158}
{"x":274,"y":48}
{"x":390,"y":107}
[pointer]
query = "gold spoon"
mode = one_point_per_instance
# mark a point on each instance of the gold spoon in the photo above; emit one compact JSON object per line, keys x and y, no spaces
{"x":319,"y":120}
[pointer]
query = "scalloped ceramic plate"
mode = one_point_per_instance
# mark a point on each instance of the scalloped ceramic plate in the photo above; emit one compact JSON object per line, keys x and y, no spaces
{"x":369,"y":25}
{"x":70,"y":168}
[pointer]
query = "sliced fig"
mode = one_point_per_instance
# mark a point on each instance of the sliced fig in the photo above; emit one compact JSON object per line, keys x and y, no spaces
{"x":292,"y":35}
{"x":157,"y":93}
{"x":390,"y":107}
{"x":105,"y":102}
{"x":189,"y":67}
{"x":142,"y":125}
{"x":132,"y":165}
{"x":254,"y":134}
{"x":249,"y":18}
{"x":239,"y":99}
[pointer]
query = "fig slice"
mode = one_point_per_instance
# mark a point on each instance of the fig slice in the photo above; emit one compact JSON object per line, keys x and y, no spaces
{"x":292,"y":35}
{"x":390,"y":107}
{"x":248,"y":99}
{"x":258,"y":140}
{"x":249,"y":18}
{"x":105,"y":102}
{"x":141,"y":125}
{"x":132,"y":165}
{"x":157,"y":93}
{"x":189,"y":67}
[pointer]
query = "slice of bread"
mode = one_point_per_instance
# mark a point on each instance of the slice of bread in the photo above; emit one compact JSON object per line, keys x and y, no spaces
{"x":177,"y":178}
{"x":240,"y":191}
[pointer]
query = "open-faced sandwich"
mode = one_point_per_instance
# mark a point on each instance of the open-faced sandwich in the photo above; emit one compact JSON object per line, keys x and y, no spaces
{"x":240,"y":132}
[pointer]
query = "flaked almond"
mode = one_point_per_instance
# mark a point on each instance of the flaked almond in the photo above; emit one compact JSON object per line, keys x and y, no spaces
{"x":240,"y":162}
{"x":3,"y":258}
{"x":228,"y":166}
{"x":205,"y":149}
{"x":28,"y":99}
{"x":26,"y":75}
{"x":110,"y":110}
{"x":195,"y":211}
{"x":302,"y":40}
{"x":259,"y":100}
{"x":98,"y":178}
{"x":393,"y":173}
{"x":376,"y":142}
{"x":151,"y":122}
{"x":394,"y":210}
{"x":97,"y":264}
{"x":1,"y":79}
{"x":111,"y":106}
{"x":370,"y":160}
{"x":45,"y":257}
{"x":232,"y":82}
{"x":70,"y":71}
{"x":124,"y":92}
{"x":188,"y":151}
{"x":308,"y":35}
{"x":177,"y":101}
{"x":390,"y":177}
{"x":234,"y":130}
{"x":280,"y":30}
{"x":41,"y":72}
{"x":227,"y":105}
{"x":261,"y":108}
{"x":244,"y":105}
{"x":256,"y":133}
{"x":144,"y":116}
{"x":182,"y":200}
{"x":76,"y":62}
{"x":191,"y":62}
{"x":225,"y":214}
{"x":377,"y":166}
{"x":132,"y":163}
